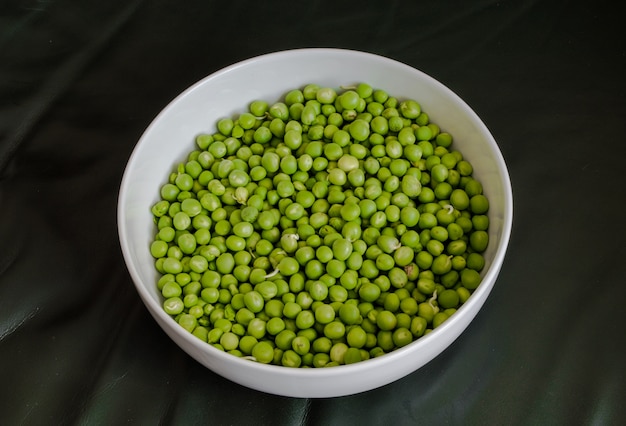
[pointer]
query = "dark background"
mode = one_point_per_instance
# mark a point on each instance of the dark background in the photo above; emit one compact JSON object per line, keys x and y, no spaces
{"x":79,"y":83}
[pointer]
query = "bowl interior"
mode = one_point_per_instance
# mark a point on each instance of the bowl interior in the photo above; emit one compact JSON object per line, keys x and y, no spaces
{"x":170,"y":137}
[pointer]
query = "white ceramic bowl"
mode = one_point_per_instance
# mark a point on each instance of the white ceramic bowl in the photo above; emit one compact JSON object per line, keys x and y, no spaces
{"x":170,"y":137}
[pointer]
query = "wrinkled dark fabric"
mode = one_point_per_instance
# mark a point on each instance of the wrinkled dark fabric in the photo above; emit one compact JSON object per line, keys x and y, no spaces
{"x":80,"y":81}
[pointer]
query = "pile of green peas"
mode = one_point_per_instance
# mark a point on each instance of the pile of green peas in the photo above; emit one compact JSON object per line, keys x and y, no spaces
{"x":327,"y":228}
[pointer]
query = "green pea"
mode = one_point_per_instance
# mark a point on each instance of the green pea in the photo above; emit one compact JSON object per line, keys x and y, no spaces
{"x":378,"y":220}
{"x":388,"y":243}
{"x":300,"y":345}
{"x":403,"y":256}
{"x":171,"y":289}
{"x":394,"y":149}
{"x":418,"y":326}
{"x":442,"y":264}
{"x":324,"y":314}
{"x":479,"y":240}
{"x":439,"y":233}
{"x":439,"y":173}
{"x":335,"y":268}
{"x":470,"y":278}
{"x":291,"y":310}
{"x":408,"y":305}
{"x":173,"y":305}
{"x":439,"y":318}
{"x":305,"y":319}
{"x":369,"y":269}
{"x":341,"y":249}
{"x":275,"y":325}
{"x":334,"y":330}
{"x":284,"y":339}
{"x":356,"y":337}
{"x":426,"y":286}
{"x":349,"y":314}
{"x":448,"y":299}
{"x":464,"y":169}
{"x":411,"y":186}
{"x":349,"y":100}
{"x":332,"y":151}
{"x":235,"y":243}
{"x":359,"y":130}
{"x":410,"y":109}
{"x":318,"y":290}
{"x":369,"y":292}
{"x":395,"y":122}
{"x":263,"y":352}
{"x":285,"y":189}
{"x":398,"y":277}
{"x":479,"y":204}
{"x":386,"y":320}
{"x":391,"y":302}
{"x":384,"y":262}
{"x":444,"y":139}
{"x":172,"y":265}
{"x":443,"y":190}
{"x":288,"y":266}
{"x":475,"y":261}
{"x":314,"y":269}
{"x":337,"y":177}
{"x":238,"y":178}
{"x":158,"y":248}
{"x":337,"y":354}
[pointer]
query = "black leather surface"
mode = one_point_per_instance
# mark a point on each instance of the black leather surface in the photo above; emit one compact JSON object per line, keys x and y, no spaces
{"x":80,"y":81}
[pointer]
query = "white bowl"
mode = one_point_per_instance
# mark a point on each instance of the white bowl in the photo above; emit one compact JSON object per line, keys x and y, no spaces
{"x":170,"y":137}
